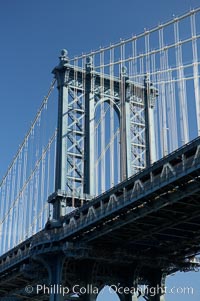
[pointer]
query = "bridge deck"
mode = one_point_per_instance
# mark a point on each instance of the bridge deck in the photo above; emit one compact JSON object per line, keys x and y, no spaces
{"x":153,"y":215}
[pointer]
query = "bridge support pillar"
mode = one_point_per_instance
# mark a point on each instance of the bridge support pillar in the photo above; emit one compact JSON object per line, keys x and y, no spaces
{"x":89,"y":297}
{"x":156,"y":289}
{"x":128,"y":287}
{"x":128,"y":297}
{"x":55,"y":268}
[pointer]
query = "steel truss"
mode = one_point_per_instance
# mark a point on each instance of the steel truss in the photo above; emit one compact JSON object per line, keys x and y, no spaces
{"x":81,"y":162}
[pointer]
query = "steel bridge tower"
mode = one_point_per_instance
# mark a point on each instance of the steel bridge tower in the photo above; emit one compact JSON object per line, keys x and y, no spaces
{"x":132,"y":221}
{"x":81,"y":90}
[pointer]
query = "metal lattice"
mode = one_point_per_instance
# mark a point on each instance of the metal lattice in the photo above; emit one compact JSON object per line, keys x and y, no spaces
{"x":120,"y":109}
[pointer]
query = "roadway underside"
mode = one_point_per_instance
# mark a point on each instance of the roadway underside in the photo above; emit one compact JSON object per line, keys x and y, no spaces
{"x":158,"y":233}
{"x":161,"y":230}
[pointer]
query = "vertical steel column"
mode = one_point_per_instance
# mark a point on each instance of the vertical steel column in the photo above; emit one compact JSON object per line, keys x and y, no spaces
{"x":128,"y":134}
{"x":127,"y":297}
{"x":147,"y":131}
{"x":156,"y":288}
{"x":150,"y":94}
{"x":88,"y":297}
{"x":129,"y":282}
{"x":87,"y":280}
{"x":89,"y":175}
{"x":125,"y":154}
{"x":55,"y":269}
{"x":61,"y":73}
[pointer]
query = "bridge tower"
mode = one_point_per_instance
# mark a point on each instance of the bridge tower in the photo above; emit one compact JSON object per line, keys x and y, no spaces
{"x":121,"y":236}
{"x":81,"y":91}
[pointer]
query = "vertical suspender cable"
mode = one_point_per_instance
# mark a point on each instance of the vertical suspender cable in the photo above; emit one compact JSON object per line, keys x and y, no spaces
{"x":112,"y":153}
{"x":156,"y":110}
{"x":163,"y":116}
{"x":48,"y":179}
{"x":147,"y":50}
{"x":134,"y":60}
{"x":42,"y":199}
{"x":96,"y":161}
{"x":102,"y":124}
{"x":172,"y":115}
{"x":11,"y":214}
{"x":6,"y":220}
{"x":181,"y":88}
{"x":54,"y":163}
{"x":195,"y":69}
{"x":3,"y":203}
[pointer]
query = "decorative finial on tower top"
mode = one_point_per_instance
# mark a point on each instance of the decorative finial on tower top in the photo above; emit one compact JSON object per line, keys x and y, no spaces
{"x":64,"y":57}
{"x":89,"y":63}
{"x":89,"y":60}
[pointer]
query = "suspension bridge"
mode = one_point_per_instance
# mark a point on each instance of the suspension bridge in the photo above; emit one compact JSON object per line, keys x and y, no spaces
{"x":106,"y":190}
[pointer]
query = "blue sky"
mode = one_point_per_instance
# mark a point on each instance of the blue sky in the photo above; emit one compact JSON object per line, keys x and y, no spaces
{"x":31,"y":36}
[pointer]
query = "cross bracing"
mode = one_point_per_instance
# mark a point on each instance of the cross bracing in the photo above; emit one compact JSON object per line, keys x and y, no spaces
{"x":124,"y":107}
